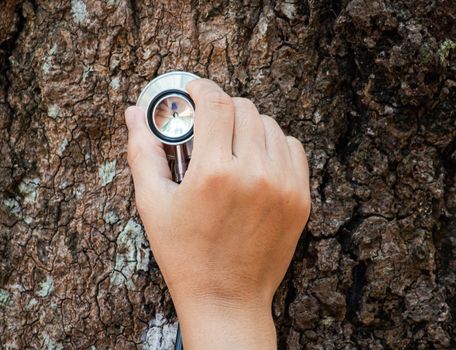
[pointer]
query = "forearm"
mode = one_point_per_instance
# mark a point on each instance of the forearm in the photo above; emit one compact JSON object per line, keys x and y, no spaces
{"x":219,"y":326}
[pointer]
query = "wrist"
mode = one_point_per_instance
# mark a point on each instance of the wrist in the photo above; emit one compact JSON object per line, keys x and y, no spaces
{"x":210,"y":323}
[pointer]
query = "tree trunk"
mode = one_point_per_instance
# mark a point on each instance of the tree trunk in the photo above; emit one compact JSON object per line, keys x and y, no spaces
{"x":368,"y":86}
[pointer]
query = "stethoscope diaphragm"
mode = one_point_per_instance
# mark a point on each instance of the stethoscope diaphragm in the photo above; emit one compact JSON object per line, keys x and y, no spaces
{"x":170,"y":114}
{"x":170,"y":111}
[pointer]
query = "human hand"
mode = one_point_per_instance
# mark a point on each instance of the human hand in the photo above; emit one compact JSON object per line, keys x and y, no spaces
{"x":224,"y":237}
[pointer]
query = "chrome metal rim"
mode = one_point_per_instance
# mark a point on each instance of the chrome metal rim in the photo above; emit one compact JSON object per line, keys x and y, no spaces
{"x":171,"y":82}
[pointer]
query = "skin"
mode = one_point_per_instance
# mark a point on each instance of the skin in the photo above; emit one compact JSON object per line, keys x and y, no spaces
{"x":225,"y":236}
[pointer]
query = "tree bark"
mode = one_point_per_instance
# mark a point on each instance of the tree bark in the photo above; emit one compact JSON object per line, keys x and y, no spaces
{"x":369,"y":87}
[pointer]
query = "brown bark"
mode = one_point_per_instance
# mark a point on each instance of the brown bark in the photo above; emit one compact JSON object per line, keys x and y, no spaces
{"x":368,"y":86}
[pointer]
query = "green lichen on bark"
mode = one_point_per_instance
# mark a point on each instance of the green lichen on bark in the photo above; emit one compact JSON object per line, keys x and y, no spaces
{"x":445,"y":49}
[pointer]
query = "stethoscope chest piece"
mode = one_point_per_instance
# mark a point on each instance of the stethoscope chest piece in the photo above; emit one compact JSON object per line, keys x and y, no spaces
{"x":170,"y":113}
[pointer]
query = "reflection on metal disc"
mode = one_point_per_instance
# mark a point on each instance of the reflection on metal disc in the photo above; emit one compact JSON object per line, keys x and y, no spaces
{"x":173,"y":116}
{"x":169,"y":108}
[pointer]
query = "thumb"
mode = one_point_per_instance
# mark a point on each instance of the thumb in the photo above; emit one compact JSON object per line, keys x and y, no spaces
{"x":147,"y":159}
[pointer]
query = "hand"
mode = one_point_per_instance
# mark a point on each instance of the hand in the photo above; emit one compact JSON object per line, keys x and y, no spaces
{"x":225,"y":236}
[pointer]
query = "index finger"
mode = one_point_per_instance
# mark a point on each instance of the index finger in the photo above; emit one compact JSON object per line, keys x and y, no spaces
{"x":214,"y":120}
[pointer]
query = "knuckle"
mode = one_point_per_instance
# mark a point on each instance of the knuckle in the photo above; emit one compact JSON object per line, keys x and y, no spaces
{"x":193,"y":84}
{"x":295,"y":145}
{"x":271,"y":127}
{"x":269,"y":121}
{"x":219,"y":99}
{"x":289,"y":195}
{"x":299,"y":199}
{"x":245,"y":113}
{"x":195,"y":87}
{"x":244,"y":104}
{"x":215,"y":178}
{"x":260,"y":182}
{"x":306,"y":205}
{"x":290,"y":191}
{"x":293,"y":141}
{"x":306,"y":198}
{"x":303,"y":206}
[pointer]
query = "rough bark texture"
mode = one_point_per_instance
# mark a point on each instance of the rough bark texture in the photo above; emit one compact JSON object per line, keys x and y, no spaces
{"x":368,"y":86}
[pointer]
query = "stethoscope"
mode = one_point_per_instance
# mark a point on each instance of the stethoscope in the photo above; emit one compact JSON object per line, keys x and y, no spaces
{"x":170,"y":113}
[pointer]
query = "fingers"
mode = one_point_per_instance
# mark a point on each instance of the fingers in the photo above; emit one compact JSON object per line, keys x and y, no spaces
{"x":248,"y":138}
{"x":214,"y":120}
{"x":276,"y":143}
{"x":299,"y":160}
{"x":146,"y":157}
